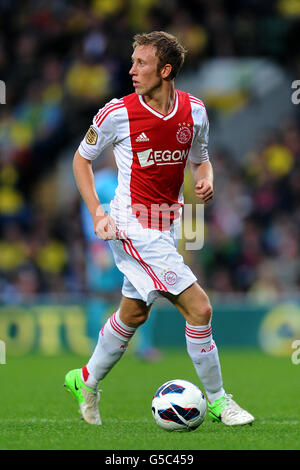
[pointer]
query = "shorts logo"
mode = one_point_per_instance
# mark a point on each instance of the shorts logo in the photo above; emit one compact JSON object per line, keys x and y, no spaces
{"x":184,"y":133}
{"x":170,"y":278}
{"x":91,"y":136}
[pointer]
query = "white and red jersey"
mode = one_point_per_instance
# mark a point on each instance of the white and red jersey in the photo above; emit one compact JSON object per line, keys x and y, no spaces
{"x":151,"y":151}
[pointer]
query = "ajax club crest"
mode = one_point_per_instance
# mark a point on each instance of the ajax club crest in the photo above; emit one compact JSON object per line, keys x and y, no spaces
{"x":184,"y":133}
{"x":170,"y":277}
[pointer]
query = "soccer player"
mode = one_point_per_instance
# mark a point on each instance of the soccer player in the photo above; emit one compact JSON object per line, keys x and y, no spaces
{"x":154,"y":131}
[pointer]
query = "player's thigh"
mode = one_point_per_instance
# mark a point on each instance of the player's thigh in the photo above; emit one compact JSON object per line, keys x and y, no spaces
{"x":194,"y":305}
{"x":133,"y":312}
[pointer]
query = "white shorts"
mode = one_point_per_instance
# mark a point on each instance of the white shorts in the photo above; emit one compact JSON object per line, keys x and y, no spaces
{"x":151,"y":264}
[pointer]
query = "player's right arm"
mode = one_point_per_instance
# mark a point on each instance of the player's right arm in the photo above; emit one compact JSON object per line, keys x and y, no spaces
{"x":104,"y":225}
{"x":100,"y":134}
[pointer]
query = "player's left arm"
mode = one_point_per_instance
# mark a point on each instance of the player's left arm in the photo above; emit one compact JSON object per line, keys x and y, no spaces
{"x":204,"y":178}
{"x":199,"y":157}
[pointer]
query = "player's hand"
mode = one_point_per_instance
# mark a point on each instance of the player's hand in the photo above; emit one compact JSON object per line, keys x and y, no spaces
{"x":204,"y":190}
{"x":104,"y":226}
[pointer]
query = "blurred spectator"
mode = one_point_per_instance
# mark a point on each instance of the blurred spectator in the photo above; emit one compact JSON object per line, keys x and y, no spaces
{"x":13,"y":250}
{"x":88,"y":81}
{"x":12,"y":200}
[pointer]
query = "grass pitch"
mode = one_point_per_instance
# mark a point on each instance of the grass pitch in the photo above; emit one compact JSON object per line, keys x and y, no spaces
{"x":37,"y":412}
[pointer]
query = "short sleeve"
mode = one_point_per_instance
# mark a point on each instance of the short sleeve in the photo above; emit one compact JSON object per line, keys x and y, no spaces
{"x":199,"y":150}
{"x":100,"y":134}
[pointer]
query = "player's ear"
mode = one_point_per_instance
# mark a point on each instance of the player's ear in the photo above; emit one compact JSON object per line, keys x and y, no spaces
{"x":165,"y":71}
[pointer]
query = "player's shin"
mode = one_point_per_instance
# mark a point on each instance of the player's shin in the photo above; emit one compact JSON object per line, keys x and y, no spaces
{"x":204,"y":354}
{"x":112,"y":343}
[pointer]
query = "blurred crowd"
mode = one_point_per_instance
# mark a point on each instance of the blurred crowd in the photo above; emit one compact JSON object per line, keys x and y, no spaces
{"x":61,"y":61}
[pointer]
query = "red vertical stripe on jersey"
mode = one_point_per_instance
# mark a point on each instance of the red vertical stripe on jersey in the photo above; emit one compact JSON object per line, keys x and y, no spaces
{"x":158,"y":163}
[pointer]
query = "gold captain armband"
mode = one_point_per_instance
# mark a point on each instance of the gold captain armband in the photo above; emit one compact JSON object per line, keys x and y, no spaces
{"x":91,"y":136}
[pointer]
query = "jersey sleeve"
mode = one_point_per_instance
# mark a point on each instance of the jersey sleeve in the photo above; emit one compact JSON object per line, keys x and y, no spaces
{"x":199,"y":150}
{"x":100,"y":134}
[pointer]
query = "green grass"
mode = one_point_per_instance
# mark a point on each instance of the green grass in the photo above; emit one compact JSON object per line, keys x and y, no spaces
{"x":37,"y":413}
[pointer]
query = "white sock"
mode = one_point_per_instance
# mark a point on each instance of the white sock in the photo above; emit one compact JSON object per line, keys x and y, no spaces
{"x":112,"y":343}
{"x":204,"y":354}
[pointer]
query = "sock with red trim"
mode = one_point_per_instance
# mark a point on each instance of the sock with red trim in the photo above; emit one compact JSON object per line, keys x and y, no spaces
{"x":112,"y":343}
{"x":204,"y":354}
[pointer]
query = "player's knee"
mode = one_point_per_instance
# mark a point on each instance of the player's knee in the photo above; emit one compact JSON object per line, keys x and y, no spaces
{"x":206,"y":313}
{"x":202,"y":315}
{"x":136,"y":318}
{"x":134,"y":312}
{"x":142,"y":318}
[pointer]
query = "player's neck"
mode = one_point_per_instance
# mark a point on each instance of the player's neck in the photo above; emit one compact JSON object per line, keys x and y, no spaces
{"x":162,"y":99}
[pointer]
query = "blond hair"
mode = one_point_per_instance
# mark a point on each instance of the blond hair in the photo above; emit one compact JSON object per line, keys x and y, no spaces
{"x":168,"y":49}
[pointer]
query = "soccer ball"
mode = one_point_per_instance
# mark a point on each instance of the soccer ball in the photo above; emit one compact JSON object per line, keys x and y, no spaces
{"x":179,"y":405}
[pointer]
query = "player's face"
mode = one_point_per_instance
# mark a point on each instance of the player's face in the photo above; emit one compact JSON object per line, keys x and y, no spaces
{"x":145,"y":77}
